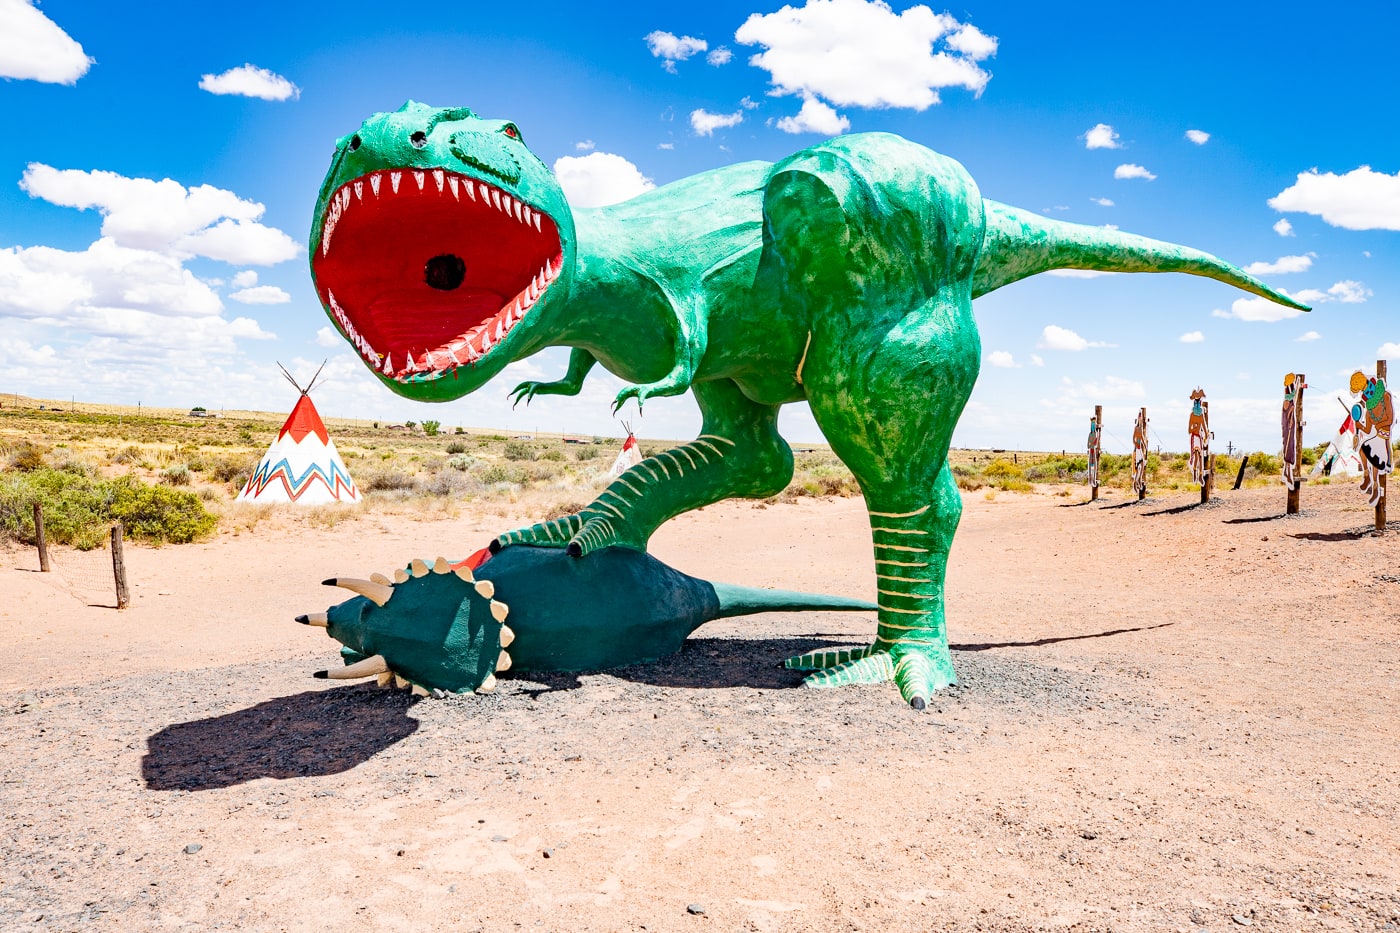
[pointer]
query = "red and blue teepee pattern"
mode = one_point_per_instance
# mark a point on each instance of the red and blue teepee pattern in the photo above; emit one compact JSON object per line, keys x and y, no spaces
{"x":302,"y":465}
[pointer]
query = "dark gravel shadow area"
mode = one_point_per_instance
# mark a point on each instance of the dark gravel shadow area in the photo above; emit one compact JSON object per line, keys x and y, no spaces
{"x":306,"y":734}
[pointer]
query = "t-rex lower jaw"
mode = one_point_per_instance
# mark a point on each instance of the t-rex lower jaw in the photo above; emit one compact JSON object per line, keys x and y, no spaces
{"x":425,"y":271}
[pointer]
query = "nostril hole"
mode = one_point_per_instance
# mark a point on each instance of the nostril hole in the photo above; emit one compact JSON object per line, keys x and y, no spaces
{"x":444,"y":272}
{"x":419,"y":139}
{"x":354,"y":142}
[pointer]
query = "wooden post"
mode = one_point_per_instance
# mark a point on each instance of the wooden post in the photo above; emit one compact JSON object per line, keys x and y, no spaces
{"x":119,"y":566}
{"x":39,"y":538}
{"x":1380,"y":503}
{"x":1239,"y":477}
{"x":1209,"y":485}
{"x":1098,"y":424}
{"x":1295,"y":489}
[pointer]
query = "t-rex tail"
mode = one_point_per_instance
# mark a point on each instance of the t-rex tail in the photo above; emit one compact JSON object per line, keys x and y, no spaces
{"x":1019,"y":244}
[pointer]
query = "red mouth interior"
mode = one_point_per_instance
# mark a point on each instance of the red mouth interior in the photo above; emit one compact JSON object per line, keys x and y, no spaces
{"x":425,"y":271}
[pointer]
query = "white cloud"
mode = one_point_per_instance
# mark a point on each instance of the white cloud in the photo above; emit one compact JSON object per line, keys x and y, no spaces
{"x":584,"y":145}
{"x":329,"y":337}
{"x":1283,"y":227}
{"x":1054,"y":337}
{"x":1112,"y":389}
{"x":671,"y":48}
{"x":245,"y":279}
{"x":1102,"y":136}
{"x":1103,"y":202}
{"x":1309,"y":337}
{"x":1260,"y":310}
{"x":748,"y":103}
{"x":261,"y":295}
{"x":1349,"y":292}
{"x":34,"y":48}
{"x":1002,"y":360}
{"x":599,"y":179}
{"x":1037,"y":360}
{"x":164,"y":216}
{"x":859,"y":53}
{"x":1199,"y":137}
{"x":1283,"y":265}
{"x":815,"y":117}
{"x":665,"y":145}
{"x":1388,"y":351}
{"x":1194,"y":336}
{"x":720,"y":56}
{"x":250,"y":81}
{"x":705,"y":123}
{"x":1130,"y":170}
{"x":1359,"y":200}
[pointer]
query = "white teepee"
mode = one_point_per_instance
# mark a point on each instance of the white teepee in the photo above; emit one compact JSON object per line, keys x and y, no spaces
{"x":1340,"y":453}
{"x":302,"y":466}
{"x":629,"y":456}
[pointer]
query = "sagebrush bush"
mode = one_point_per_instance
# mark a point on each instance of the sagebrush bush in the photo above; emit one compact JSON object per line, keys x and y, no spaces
{"x":159,"y":514}
{"x":456,"y":447}
{"x":518,"y":450}
{"x":79,"y":510}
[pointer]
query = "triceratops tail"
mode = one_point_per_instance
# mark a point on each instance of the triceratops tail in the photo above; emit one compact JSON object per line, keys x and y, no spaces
{"x":743,"y":600}
{"x":1019,"y":244}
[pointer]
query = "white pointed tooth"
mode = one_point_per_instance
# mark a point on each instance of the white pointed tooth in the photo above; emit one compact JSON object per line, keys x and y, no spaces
{"x":325,"y":240}
{"x":471,"y":190}
{"x":496,"y":198}
{"x":452,"y":183}
{"x":485,"y":342}
{"x":506,"y":202}
{"x":518,"y":214}
{"x":388,"y":366}
{"x":438,"y":179}
{"x":345,"y":192}
{"x":485,"y":192}
{"x":499,"y":331}
{"x":374,"y":184}
{"x":359,"y":190}
{"x":419,"y":177}
{"x":537,"y":221}
{"x":528,"y":213}
{"x":394,"y":180}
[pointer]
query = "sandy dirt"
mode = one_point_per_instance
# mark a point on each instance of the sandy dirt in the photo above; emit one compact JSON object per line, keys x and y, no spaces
{"x":1169,"y":718}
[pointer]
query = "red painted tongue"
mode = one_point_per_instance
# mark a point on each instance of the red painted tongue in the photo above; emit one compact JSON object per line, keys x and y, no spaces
{"x":418,"y":322}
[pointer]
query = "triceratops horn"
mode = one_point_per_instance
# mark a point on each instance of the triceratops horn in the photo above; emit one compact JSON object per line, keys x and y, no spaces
{"x":317,"y":619}
{"x":377,"y":593}
{"x":365,"y":668}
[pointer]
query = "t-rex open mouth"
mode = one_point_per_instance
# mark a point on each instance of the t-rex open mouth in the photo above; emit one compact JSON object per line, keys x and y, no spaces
{"x":427,"y":270}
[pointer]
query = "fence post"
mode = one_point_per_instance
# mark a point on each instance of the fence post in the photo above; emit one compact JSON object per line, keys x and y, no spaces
{"x":1209,"y":485}
{"x":39,"y":538}
{"x":1239,"y":477}
{"x":119,"y":566}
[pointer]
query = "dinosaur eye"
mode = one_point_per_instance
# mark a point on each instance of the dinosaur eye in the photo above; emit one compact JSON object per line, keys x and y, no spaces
{"x":510,"y":130}
{"x":419,"y":139}
{"x":354,"y":142}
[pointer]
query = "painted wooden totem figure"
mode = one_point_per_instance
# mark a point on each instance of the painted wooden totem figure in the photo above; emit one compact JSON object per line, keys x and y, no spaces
{"x":1093,"y":453}
{"x":1198,"y":427}
{"x":1140,"y":454}
{"x":1292,"y":399}
{"x":1374,"y":415}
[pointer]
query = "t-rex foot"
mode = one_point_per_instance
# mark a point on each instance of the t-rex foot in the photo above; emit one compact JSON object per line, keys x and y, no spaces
{"x":582,"y":533}
{"x":918,"y":669}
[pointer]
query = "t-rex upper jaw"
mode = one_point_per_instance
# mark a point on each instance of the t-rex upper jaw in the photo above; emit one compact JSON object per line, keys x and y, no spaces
{"x":425,"y":270}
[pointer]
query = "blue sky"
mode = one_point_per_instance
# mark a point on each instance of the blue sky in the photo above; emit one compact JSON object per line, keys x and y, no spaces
{"x":151,"y":229}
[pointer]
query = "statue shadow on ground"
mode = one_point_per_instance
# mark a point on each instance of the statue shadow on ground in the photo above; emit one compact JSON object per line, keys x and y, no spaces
{"x":1131,"y":503}
{"x":1175,"y":510}
{"x":725,"y":663}
{"x":309,"y":734}
{"x":1254,"y":519}
{"x":1334,"y":535}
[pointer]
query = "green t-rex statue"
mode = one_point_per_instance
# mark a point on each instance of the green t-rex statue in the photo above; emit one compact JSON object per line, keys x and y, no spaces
{"x":844,"y":275}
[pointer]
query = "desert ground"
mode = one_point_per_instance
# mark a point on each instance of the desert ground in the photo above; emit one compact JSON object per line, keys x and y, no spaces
{"x":1169,"y":717}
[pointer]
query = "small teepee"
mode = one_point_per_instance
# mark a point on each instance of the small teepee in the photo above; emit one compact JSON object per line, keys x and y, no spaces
{"x":1340,"y":458}
{"x":302,"y":466}
{"x":630,"y":456}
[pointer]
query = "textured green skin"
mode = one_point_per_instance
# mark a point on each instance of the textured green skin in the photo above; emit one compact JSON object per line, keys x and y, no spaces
{"x":843,"y":275}
{"x":618,"y":607}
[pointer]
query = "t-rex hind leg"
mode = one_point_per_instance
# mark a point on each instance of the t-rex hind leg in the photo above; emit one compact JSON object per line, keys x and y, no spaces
{"x":738,"y":453}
